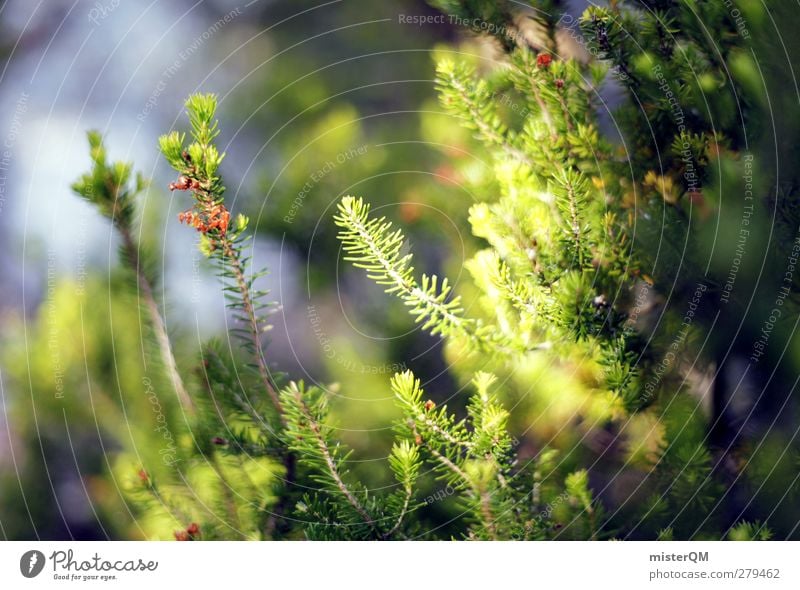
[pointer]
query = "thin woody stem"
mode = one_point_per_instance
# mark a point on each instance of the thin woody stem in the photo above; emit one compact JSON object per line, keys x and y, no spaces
{"x":481,"y":493}
{"x":231,"y":255}
{"x":330,"y":463}
{"x":146,"y":292}
{"x":406,"y":501}
{"x":486,"y":513}
{"x":434,"y":427}
{"x":483,"y":496}
{"x":449,"y":464}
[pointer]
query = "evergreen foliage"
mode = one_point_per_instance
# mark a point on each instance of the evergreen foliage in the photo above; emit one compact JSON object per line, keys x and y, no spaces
{"x":561,"y":278}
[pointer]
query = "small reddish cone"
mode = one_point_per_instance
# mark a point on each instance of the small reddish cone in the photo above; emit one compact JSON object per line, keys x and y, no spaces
{"x":143,"y":476}
{"x":183,"y":183}
{"x":559,"y":83}
{"x":429,"y":405}
{"x":543,"y":60}
{"x":190,"y":534}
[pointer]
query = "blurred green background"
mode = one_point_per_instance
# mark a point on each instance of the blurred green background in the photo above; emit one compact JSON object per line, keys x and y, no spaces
{"x":317,"y":101}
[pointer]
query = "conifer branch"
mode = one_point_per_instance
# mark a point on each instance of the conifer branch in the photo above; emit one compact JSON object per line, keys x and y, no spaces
{"x":573,"y":202}
{"x":471,"y":458}
{"x":162,"y":338}
{"x":472,"y":102}
{"x":301,"y":421}
{"x":232,"y":255}
{"x":372,"y":245}
{"x":556,"y":267}
{"x":486,"y":513}
{"x":447,"y":463}
{"x":198,"y":165}
{"x":334,"y":473}
{"x":444,"y":434}
{"x":527,"y":78}
{"x":108,"y":187}
{"x":404,"y":461}
{"x":408,"y":492}
{"x":221,"y":240}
